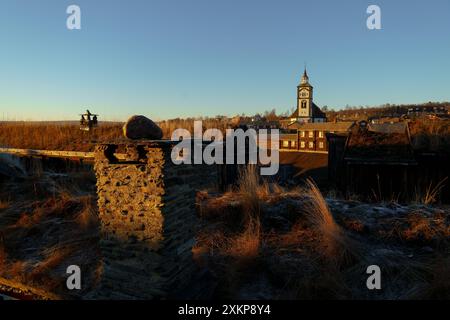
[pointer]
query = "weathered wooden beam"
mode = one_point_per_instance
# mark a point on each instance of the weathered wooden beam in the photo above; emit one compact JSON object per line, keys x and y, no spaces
{"x":53,"y":153}
{"x":20,"y":291}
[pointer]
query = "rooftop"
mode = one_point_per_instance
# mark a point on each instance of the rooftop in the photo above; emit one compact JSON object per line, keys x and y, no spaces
{"x":324,"y":126}
{"x":398,"y":127}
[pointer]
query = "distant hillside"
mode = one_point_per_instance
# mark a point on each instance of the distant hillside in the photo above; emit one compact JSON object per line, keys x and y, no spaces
{"x":387,"y":110}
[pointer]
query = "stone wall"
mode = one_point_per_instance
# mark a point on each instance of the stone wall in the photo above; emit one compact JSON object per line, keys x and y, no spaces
{"x":148,"y":220}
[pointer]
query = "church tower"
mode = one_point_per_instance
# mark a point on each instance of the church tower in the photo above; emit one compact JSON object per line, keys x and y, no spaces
{"x":305,"y":97}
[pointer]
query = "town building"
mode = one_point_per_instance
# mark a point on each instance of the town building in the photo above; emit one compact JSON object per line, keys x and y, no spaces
{"x":311,"y":137}
{"x":419,"y":111}
{"x":305,"y":130}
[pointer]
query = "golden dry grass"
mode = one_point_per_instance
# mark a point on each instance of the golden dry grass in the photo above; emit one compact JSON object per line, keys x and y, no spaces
{"x":88,"y":216}
{"x":432,"y":193}
{"x":318,"y":213}
{"x":249,"y":190}
{"x":424,"y":229}
{"x":246,"y":245}
{"x":54,"y":136}
{"x":59,"y":226}
{"x":68,"y":136}
{"x":294,"y":238}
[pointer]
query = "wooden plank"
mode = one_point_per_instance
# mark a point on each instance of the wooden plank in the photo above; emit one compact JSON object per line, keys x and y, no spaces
{"x":20,"y":291}
{"x":48,"y":153}
{"x":53,"y":153}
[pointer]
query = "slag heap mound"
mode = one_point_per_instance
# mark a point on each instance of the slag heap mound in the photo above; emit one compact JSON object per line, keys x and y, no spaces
{"x":140,"y":127}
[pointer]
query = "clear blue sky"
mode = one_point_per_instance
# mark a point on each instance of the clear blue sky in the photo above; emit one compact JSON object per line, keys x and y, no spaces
{"x":167,"y":58}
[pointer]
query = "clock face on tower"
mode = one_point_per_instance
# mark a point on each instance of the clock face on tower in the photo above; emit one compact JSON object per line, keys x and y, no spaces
{"x":304,"y":93}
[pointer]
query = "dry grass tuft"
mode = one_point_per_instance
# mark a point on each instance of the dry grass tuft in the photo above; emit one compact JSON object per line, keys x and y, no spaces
{"x":249,"y":190}
{"x":420,"y":228}
{"x":432,"y":193}
{"x":246,"y":246}
{"x":88,"y":216}
{"x":335,"y":245}
{"x":319,"y":214}
{"x":295,"y":237}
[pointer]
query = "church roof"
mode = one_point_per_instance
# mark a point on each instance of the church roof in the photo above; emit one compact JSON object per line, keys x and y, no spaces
{"x":316,"y":113}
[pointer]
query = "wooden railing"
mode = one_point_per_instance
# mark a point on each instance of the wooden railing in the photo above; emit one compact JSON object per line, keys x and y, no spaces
{"x":53,"y":153}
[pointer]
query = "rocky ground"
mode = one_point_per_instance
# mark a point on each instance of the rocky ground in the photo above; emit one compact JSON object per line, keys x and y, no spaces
{"x":277,"y":244}
{"x":260,"y":241}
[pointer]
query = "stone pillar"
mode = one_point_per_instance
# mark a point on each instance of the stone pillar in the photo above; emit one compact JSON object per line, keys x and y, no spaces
{"x":148,"y":220}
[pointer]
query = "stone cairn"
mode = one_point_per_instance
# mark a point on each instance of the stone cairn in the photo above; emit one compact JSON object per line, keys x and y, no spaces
{"x":147,"y":215}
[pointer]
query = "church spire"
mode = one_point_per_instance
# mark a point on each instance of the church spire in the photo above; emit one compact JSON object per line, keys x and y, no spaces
{"x":305,"y":78}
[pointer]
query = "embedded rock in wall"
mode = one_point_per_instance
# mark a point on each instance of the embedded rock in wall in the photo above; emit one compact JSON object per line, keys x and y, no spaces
{"x":140,"y":127}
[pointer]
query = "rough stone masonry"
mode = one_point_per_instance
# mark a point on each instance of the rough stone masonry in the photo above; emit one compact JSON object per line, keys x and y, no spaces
{"x":148,"y":220}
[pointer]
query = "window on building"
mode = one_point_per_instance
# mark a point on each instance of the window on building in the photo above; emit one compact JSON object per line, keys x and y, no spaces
{"x":321,"y":145}
{"x":311,"y":134}
{"x":285,"y":144}
{"x":303,"y":104}
{"x":302,"y":134}
{"x":293,"y":143}
{"x":320,"y":134}
{"x":311,"y":145}
{"x":302,"y":144}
